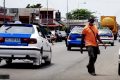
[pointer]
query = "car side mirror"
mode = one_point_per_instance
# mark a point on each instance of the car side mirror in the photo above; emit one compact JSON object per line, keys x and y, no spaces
{"x":40,"y":34}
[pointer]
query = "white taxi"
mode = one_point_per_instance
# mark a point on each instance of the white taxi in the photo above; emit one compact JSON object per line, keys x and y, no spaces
{"x":24,"y":41}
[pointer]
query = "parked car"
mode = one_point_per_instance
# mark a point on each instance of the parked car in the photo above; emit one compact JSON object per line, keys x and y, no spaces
{"x":63,"y":34}
{"x":51,"y":37}
{"x":57,"y":34}
{"x":24,"y":41}
{"x":106,"y":36}
{"x":74,"y":38}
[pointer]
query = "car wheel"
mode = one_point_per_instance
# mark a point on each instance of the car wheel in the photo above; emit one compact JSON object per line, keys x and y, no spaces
{"x":8,"y":61}
{"x":40,"y":57}
{"x":38,"y":61}
{"x":65,"y":42}
{"x":115,"y":37}
{"x":48,"y":60}
{"x":60,"y":39}
{"x":112,"y":44}
{"x":0,"y":60}
{"x":119,"y":69}
{"x":68,"y":48}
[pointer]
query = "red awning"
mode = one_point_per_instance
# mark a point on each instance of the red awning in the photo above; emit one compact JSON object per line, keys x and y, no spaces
{"x":54,"y":25}
{"x":8,"y":18}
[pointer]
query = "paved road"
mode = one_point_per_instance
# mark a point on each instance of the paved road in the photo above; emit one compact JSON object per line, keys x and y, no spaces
{"x":67,"y":65}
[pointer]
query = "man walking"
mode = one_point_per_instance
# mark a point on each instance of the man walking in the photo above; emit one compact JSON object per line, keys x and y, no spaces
{"x":90,"y":37}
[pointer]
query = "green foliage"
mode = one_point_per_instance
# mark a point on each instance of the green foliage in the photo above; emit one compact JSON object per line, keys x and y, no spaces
{"x":79,"y":14}
{"x":34,"y":6}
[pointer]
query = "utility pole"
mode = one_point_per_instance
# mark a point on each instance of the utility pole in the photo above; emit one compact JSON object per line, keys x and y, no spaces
{"x":39,"y":16}
{"x":47,"y":13}
{"x":79,"y":8}
{"x":78,"y":4}
{"x":4,"y":10}
{"x":67,"y":14}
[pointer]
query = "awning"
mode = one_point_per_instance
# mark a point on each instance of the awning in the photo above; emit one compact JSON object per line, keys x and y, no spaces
{"x":54,"y":25}
{"x":8,"y":18}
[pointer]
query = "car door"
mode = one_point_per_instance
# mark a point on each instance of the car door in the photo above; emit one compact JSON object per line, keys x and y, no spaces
{"x":46,"y":46}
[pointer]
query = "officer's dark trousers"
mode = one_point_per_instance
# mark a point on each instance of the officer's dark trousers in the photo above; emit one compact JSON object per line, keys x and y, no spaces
{"x":92,"y":58}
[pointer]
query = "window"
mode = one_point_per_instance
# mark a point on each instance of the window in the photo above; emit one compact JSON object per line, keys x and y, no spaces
{"x":17,"y":29}
{"x":13,"y":10}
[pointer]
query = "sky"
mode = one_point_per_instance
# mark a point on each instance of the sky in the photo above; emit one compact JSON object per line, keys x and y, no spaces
{"x":100,"y":7}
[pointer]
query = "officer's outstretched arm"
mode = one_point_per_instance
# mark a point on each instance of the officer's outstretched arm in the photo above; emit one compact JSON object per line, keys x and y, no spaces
{"x":98,"y":37}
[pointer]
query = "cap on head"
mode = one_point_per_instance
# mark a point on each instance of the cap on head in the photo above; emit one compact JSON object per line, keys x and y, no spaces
{"x":91,"y":20}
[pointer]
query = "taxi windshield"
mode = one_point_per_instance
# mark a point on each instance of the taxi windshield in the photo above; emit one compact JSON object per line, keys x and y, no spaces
{"x":77,"y":30}
{"x":17,"y":29}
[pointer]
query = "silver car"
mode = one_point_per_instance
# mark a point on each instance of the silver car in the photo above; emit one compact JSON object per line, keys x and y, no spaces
{"x":106,"y":36}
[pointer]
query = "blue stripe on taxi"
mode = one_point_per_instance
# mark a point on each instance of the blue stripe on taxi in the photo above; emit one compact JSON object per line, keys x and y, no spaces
{"x":14,"y":36}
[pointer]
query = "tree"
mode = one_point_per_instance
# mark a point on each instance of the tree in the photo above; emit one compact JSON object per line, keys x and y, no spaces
{"x":79,"y":14}
{"x":34,"y":6}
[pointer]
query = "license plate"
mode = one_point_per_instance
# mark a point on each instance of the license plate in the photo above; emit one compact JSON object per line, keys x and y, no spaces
{"x":103,"y":37}
{"x":78,"y":38}
{"x":12,"y":39}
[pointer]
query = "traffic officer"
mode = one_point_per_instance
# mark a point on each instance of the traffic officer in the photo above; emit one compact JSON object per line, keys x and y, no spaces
{"x":90,"y":37}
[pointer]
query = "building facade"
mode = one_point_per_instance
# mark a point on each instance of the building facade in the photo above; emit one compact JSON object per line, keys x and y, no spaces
{"x":41,"y":16}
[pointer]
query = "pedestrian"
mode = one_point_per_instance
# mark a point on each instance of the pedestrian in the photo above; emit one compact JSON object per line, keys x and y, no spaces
{"x":52,"y":38}
{"x":90,"y":37}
